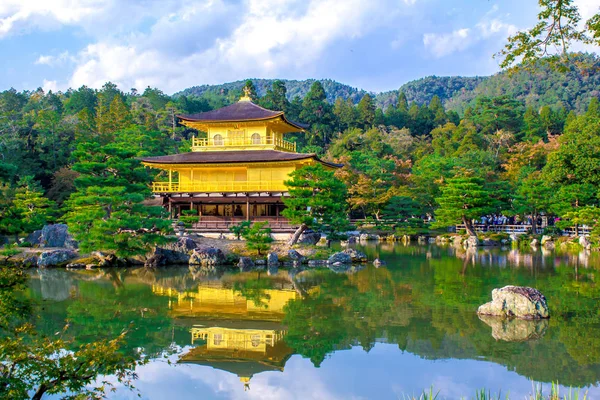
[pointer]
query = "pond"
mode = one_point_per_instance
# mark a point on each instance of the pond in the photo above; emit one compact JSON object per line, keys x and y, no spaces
{"x":380,"y":333}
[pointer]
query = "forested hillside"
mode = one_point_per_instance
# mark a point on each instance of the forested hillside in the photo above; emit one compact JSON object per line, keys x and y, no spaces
{"x":538,"y":87}
{"x":231,"y":90}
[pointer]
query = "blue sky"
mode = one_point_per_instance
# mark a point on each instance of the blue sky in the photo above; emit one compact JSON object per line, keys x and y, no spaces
{"x":172,"y":44}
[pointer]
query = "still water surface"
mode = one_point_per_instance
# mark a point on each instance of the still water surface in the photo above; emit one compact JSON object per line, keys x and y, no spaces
{"x":372,"y":333}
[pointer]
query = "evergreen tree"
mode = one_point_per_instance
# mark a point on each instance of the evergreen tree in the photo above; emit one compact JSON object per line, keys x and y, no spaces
{"x":317,"y":112}
{"x":463,"y":199}
{"x":106,"y":211}
{"x":317,"y":200}
{"x":276,"y":99}
{"x":366,"y":111}
{"x":258,"y":237}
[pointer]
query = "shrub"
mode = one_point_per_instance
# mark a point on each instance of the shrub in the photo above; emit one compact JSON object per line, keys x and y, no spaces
{"x":189,"y":217}
{"x":240,"y":229}
{"x":258,"y":237}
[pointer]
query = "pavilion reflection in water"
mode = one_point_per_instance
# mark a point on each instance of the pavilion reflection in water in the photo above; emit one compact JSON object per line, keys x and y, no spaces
{"x":232,"y":332}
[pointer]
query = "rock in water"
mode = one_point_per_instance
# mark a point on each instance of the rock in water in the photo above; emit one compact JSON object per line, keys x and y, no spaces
{"x":378,"y":263}
{"x":245,"y":264}
{"x":207,"y":256}
{"x":515,"y":330}
{"x":341,"y":258}
{"x":296,"y":257}
{"x":534,"y":243}
{"x":516,"y":301}
{"x":272,"y":260}
{"x":55,"y":258}
{"x":356,"y":256}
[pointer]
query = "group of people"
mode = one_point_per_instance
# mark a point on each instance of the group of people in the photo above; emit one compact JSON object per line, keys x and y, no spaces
{"x":494,"y":219}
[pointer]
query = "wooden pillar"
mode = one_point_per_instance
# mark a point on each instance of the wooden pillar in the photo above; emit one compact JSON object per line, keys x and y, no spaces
{"x":170,"y":178}
{"x":170,"y":209}
{"x":247,"y":208}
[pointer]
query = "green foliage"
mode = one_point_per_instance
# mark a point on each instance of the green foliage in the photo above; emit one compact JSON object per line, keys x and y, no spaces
{"x":189,"y":217}
{"x":463,"y":198}
{"x":106,"y":211}
{"x":239,"y":229}
{"x":258,"y":237}
{"x":35,"y":364}
{"x":317,"y":199}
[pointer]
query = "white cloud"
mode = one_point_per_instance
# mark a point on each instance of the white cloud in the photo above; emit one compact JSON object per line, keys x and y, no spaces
{"x":20,"y":15}
{"x":489,"y":27}
{"x":53,"y":61}
{"x":267,"y":38}
{"x":50,"y":85}
{"x":441,"y":45}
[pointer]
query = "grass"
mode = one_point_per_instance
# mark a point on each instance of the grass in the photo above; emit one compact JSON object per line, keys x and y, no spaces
{"x":537,"y":394}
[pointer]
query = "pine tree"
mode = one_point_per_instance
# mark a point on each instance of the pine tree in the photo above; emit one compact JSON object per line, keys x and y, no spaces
{"x":34,"y":210}
{"x":317,"y":200}
{"x":317,"y":112}
{"x":366,"y":111}
{"x":106,"y":211}
{"x":463,"y":199}
{"x":276,"y":99}
{"x":258,"y":237}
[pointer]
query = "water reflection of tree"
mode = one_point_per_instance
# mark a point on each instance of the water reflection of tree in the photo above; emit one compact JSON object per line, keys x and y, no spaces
{"x":427,"y":307}
{"x":34,"y":362}
{"x":255,"y":290}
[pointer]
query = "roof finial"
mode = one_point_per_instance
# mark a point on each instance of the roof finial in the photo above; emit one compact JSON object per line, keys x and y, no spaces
{"x":246,"y":95}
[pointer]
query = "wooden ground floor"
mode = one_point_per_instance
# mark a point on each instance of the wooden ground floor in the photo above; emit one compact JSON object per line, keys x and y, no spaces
{"x":217,"y":212}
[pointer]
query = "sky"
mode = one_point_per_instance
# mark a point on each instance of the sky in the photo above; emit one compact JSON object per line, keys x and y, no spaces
{"x":376,"y":45}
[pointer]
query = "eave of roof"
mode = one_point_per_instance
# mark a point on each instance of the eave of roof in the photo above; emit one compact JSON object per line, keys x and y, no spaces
{"x":232,"y":157}
{"x":241,"y":111}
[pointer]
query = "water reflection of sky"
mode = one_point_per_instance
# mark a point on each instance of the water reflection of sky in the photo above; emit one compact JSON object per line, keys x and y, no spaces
{"x":383,"y":373}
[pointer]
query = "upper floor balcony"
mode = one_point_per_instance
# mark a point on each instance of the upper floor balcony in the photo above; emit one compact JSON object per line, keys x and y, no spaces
{"x":254,"y":142}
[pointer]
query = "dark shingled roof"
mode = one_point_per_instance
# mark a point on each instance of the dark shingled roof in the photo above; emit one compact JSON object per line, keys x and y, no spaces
{"x":226,"y":157}
{"x":240,"y":111}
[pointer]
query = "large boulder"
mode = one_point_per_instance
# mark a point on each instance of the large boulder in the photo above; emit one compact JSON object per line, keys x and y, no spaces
{"x":182,"y":245}
{"x":272,"y":260}
{"x":368,"y":236}
{"x":341,"y":258}
{"x":55,"y":258}
{"x":545,"y":239}
{"x":245,"y":264}
{"x":516,"y":301}
{"x":515,"y":329}
{"x":207,"y":256}
{"x":309,"y":237}
{"x":534,"y":243}
{"x":296,"y":257}
{"x":162,"y":257}
{"x":34,"y":238}
{"x":105,"y":260}
{"x":356,"y":256}
{"x":56,"y":235}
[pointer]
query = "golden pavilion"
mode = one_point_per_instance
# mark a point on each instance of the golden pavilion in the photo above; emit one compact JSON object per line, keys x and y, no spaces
{"x":238,"y":171}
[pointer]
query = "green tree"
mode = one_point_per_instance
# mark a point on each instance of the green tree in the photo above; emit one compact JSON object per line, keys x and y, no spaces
{"x":276,"y":99}
{"x":533,"y":196}
{"x":240,"y":229}
{"x":317,"y":200}
{"x":106,"y":211}
{"x":366,"y":111}
{"x":33,"y":208}
{"x":559,"y":27}
{"x":463,"y":199}
{"x":318,"y":113}
{"x":258,"y":237}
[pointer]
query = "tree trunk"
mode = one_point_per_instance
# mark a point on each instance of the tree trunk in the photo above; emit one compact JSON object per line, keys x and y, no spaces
{"x":40,"y":392}
{"x":297,"y":234}
{"x":468,"y":226}
{"x":534,"y":224}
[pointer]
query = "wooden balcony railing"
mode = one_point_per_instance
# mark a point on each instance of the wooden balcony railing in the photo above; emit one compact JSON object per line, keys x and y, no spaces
{"x":218,"y":187}
{"x":243,"y":142}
